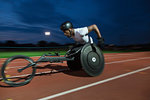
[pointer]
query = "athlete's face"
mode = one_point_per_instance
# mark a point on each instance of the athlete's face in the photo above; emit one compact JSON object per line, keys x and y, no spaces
{"x":67,"y":33}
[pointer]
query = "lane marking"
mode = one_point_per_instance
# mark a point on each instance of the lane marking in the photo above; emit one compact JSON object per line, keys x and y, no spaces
{"x":38,"y":73}
{"x":106,"y":55}
{"x":105,"y":63}
{"x":9,"y":99}
{"x":3,"y":59}
{"x":93,"y":84}
{"x":127,"y":60}
{"x":117,"y":54}
{"x":7,"y":77}
{"x":14,"y":62}
{"x":39,"y":64}
{"x":113,"y":57}
{"x":9,"y":57}
{"x":124,"y":54}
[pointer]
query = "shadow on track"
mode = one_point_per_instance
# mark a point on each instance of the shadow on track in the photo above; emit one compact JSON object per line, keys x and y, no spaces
{"x":63,"y":69}
{"x":52,"y":69}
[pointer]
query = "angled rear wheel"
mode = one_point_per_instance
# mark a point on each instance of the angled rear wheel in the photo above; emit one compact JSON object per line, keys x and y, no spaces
{"x":92,"y":60}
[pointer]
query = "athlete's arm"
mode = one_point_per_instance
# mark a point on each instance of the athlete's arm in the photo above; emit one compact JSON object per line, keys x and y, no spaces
{"x":94,"y":28}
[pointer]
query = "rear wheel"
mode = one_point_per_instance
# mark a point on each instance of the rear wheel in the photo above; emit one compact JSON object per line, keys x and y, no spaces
{"x":10,"y":70}
{"x":92,"y":60}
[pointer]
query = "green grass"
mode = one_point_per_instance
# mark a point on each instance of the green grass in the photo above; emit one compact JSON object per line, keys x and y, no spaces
{"x":28,"y":53}
{"x":7,"y":54}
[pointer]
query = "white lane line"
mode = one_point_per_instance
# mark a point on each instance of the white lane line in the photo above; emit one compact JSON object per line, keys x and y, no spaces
{"x":16,"y":62}
{"x":124,"y":54}
{"x":4,"y":59}
{"x":105,"y":58}
{"x":39,"y":73}
{"x":114,"y":54}
{"x":93,"y":84}
{"x":127,"y":60}
{"x":118,"y":56}
{"x":39,"y":64}
{"x":108,"y":55}
{"x":113,"y":57}
{"x":117,"y":61}
{"x":18,"y":66}
{"x":105,"y":63}
{"x":22,"y":62}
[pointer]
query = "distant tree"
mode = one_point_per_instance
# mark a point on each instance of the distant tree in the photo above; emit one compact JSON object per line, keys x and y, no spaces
{"x":1,"y":44}
{"x":53,"y":44}
{"x":42,"y":43}
{"x":10,"y":43}
{"x":27,"y":45}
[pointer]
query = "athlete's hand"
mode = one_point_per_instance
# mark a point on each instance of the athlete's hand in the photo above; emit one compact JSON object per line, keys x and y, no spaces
{"x":100,"y":42}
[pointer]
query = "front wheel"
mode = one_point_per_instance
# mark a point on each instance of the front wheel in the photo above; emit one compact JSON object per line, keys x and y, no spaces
{"x":11,"y":74}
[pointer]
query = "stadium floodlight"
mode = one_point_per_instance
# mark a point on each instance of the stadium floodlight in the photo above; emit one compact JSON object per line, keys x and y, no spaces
{"x":47,"y":33}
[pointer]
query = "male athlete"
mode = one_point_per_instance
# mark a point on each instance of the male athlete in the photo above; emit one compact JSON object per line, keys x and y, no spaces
{"x":80,"y":35}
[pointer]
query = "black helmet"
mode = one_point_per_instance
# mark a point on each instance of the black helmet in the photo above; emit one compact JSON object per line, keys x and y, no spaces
{"x":66,"y":25}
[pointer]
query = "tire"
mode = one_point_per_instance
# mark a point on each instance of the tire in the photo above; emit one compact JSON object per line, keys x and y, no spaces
{"x":10,"y":74}
{"x":92,"y":60}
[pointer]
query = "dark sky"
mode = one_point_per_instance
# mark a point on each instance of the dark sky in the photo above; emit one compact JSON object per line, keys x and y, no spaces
{"x":121,"y":22}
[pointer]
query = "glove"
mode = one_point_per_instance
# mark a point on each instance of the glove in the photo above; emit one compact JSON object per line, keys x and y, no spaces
{"x":100,"y":43}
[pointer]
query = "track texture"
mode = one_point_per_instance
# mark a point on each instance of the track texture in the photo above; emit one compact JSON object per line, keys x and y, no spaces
{"x":62,"y":84}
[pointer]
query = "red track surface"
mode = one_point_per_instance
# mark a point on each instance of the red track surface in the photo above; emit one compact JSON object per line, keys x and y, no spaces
{"x":133,"y":86}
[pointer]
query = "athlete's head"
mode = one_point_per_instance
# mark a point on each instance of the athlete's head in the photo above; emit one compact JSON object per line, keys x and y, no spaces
{"x":67,"y":27}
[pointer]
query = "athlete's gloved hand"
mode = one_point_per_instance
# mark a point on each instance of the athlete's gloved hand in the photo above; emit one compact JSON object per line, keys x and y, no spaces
{"x":100,"y":42}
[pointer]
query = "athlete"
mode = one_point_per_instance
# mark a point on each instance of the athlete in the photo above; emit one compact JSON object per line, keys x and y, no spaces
{"x":80,"y":35}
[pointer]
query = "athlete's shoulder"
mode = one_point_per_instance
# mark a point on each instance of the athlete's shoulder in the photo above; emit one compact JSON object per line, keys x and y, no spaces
{"x":82,"y":30}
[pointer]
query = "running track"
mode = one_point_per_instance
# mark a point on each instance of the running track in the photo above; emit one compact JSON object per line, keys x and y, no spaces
{"x":126,"y":77}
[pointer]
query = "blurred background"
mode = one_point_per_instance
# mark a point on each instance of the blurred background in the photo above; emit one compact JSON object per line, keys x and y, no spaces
{"x":123,"y":24}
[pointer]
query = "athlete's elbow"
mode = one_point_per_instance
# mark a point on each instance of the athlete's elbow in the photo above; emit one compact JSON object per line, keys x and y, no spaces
{"x":94,"y":26}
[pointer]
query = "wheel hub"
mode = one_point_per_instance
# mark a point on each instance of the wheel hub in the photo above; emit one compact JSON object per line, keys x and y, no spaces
{"x":93,"y":60}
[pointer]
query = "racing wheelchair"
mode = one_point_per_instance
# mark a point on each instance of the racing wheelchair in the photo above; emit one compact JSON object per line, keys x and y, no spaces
{"x":88,"y":58}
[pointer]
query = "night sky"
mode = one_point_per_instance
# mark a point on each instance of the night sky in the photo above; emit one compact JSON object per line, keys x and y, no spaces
{"x":121,"y":22}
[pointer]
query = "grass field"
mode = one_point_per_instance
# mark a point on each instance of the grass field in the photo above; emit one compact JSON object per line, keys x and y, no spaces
{"x":28,"y":53}
{"x":7,"y":54}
